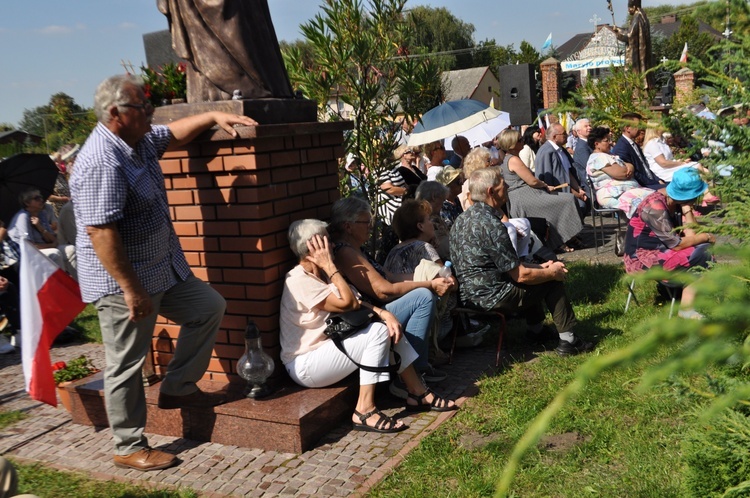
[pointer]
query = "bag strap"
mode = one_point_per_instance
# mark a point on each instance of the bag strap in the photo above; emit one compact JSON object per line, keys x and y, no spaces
{"x":387,"y":369}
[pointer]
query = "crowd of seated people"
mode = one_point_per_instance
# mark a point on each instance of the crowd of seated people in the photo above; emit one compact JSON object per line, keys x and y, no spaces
{"x":314,"y":289}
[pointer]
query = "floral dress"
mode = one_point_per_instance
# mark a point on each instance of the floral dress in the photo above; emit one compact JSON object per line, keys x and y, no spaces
{"x":624,"y":195}
{"x":651,"y":237}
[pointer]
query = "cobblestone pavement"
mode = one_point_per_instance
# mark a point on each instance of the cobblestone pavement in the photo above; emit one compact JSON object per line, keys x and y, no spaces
{"x":344,"y":463}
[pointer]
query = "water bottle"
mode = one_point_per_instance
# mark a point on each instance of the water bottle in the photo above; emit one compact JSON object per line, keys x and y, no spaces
{"x":445,"y":271}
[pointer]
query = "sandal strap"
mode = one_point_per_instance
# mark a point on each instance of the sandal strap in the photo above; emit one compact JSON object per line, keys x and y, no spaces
{"x":436,"y":402}
{"x":383,"y":423}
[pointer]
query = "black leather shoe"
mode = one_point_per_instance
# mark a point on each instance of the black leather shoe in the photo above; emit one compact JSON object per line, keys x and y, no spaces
{"x":566,"y":348}
{"x":198,"y":399}
{"x":146,"y":459}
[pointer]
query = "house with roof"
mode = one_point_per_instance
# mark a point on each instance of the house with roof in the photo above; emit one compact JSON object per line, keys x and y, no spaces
{"x":476,"y":83}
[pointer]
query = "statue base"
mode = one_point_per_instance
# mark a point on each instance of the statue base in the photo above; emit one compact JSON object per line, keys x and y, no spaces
{"x":264,"y":111}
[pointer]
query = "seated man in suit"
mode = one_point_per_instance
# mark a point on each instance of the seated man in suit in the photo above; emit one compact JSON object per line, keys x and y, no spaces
{"x":630,"y":152}
{"x":554,"y":166}
{"x":490,"y":275}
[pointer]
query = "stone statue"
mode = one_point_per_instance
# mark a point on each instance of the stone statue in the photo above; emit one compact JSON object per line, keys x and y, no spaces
{"x":638,"y":39}
{"x":230,"y":45}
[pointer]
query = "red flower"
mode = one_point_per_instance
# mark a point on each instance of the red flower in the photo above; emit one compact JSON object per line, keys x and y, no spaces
{"x":58,"y":366}
{"x":181,"y":67}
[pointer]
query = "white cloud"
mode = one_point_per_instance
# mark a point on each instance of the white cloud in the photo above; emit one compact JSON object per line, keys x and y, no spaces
{"x":54,"y":30}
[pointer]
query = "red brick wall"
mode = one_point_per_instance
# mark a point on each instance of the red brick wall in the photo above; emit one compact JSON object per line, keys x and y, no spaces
{"x":551,"y":75}
{"x":232,"y":201}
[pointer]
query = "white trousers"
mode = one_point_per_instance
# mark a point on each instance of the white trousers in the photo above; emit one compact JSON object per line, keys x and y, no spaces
{"x":327,"y":365}
{"x":63,"y":256}
{"x":524,"y":240}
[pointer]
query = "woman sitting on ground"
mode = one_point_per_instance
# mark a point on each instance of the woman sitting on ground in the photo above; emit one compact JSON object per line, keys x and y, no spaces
{"x":312,"y":291}
{"x":413,"y":303}
{"x":613,"y":181}
{"x":652,"y":240}
{"x":528,"y":196}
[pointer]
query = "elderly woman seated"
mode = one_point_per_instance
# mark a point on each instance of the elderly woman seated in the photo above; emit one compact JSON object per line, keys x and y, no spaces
{"x":653,"y":240}
{"x":31,"y":223}
{"x":613,"y":181}
{"x":313,"y":290}
{"x":528,"y":196}
{"x":412,"y":302}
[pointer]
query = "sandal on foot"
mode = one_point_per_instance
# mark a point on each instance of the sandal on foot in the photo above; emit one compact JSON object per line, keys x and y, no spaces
{"x":564,"y":248}
{"x":438,"y":404}
{"x":385,"y":424}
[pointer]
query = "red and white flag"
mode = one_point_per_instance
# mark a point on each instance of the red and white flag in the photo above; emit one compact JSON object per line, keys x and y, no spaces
{"x":683,"y":57}
{"x":50,"y":300}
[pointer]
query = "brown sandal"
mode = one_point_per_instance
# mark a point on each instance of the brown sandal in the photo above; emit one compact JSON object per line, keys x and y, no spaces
{"x":438,"y":404}
{"x":385,"y":424}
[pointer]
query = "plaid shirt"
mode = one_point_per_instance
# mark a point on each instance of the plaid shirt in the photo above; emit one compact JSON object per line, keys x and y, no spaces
{"x":113,"y":183}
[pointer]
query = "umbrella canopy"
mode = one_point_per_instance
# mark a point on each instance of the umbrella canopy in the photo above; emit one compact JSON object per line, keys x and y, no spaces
{"x":449,"y":119}
{"x":22,"y":172}
{"x":486,"y":131}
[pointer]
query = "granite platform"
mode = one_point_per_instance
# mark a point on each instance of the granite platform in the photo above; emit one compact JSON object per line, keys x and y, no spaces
{"x":290,"y":420}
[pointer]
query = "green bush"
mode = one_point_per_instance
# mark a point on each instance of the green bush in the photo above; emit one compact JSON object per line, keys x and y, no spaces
{"x":717,"y":457}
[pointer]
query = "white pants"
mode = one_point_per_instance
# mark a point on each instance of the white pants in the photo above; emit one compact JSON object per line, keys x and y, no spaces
{"x":522,"y":237}
{"x":327,"y":365}
{"x":64,"y":257}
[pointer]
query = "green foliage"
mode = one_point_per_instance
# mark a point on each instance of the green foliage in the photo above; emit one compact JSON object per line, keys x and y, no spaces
{"x":170,"y":82}
{"x":47,"y":482}
{"x":359,"y":57}
{"x":718,"y":463}
{"x":87,"y":322}
{"x":61,"y":122}
{"x":438,"y":30}
{"x":604,"y":101}
{"x":10,"y":418}
{"x":77,"y":368}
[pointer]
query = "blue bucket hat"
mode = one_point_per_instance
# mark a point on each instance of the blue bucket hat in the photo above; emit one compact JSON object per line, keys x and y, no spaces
{"x":686,"y":185}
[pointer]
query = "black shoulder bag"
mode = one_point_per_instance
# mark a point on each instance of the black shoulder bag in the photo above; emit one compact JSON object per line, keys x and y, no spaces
{"x":339,"y":326}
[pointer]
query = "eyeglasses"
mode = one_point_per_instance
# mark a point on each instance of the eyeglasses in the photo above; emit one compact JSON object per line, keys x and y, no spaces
{"x":409,"y":151}
{"x":370,"y":222}
{"x":37,"y":198}
{"x":143,"y":107}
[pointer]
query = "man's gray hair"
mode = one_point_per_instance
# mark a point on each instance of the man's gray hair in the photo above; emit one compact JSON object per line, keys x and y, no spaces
{"x":580,"y":124}
{"x":25,"y":196}
{"x":429,"y":191}
{"x":111,"y":92}
{"x":301,"y":231}
{"x":482,"y":180}
{"x":347,"y":210}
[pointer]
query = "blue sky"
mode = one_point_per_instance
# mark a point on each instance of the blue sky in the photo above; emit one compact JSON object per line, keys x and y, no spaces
{"x":69,"y":46}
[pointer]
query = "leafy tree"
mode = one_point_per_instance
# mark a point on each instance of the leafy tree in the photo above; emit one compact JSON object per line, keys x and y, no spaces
{"x":489,"y":53}
{"x":360,"y":57}
{"x":437,"y":30}
{"x":7,"y":127}
{"x":698,"y":43}
{"x":61,"y":121}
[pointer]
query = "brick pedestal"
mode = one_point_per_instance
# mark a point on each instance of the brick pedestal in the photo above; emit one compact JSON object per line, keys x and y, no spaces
{"x":551,"y":76}
{"x":232,"y":201}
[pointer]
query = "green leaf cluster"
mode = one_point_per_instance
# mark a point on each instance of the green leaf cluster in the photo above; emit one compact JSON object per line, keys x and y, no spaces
{"x":77,"y":368}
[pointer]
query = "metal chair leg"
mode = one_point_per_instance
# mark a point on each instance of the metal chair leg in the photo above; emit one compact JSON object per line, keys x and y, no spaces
{"x":631,"y":294}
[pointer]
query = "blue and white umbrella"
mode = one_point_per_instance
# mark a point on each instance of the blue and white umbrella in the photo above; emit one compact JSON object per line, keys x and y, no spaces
{"x":449,"y":119}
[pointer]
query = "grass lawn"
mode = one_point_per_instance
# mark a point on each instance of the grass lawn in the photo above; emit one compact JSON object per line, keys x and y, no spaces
{"x":611,"y":440}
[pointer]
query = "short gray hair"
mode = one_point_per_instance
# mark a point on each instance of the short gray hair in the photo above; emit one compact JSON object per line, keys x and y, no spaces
{"x":301,"y":231}
{"x":28,"y":194}
{"x":579,"y":124}
{"x":111,"y":92}
{"x":482,"y":180}
{"x":429,"y":191}
{"x":347,"y":210}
